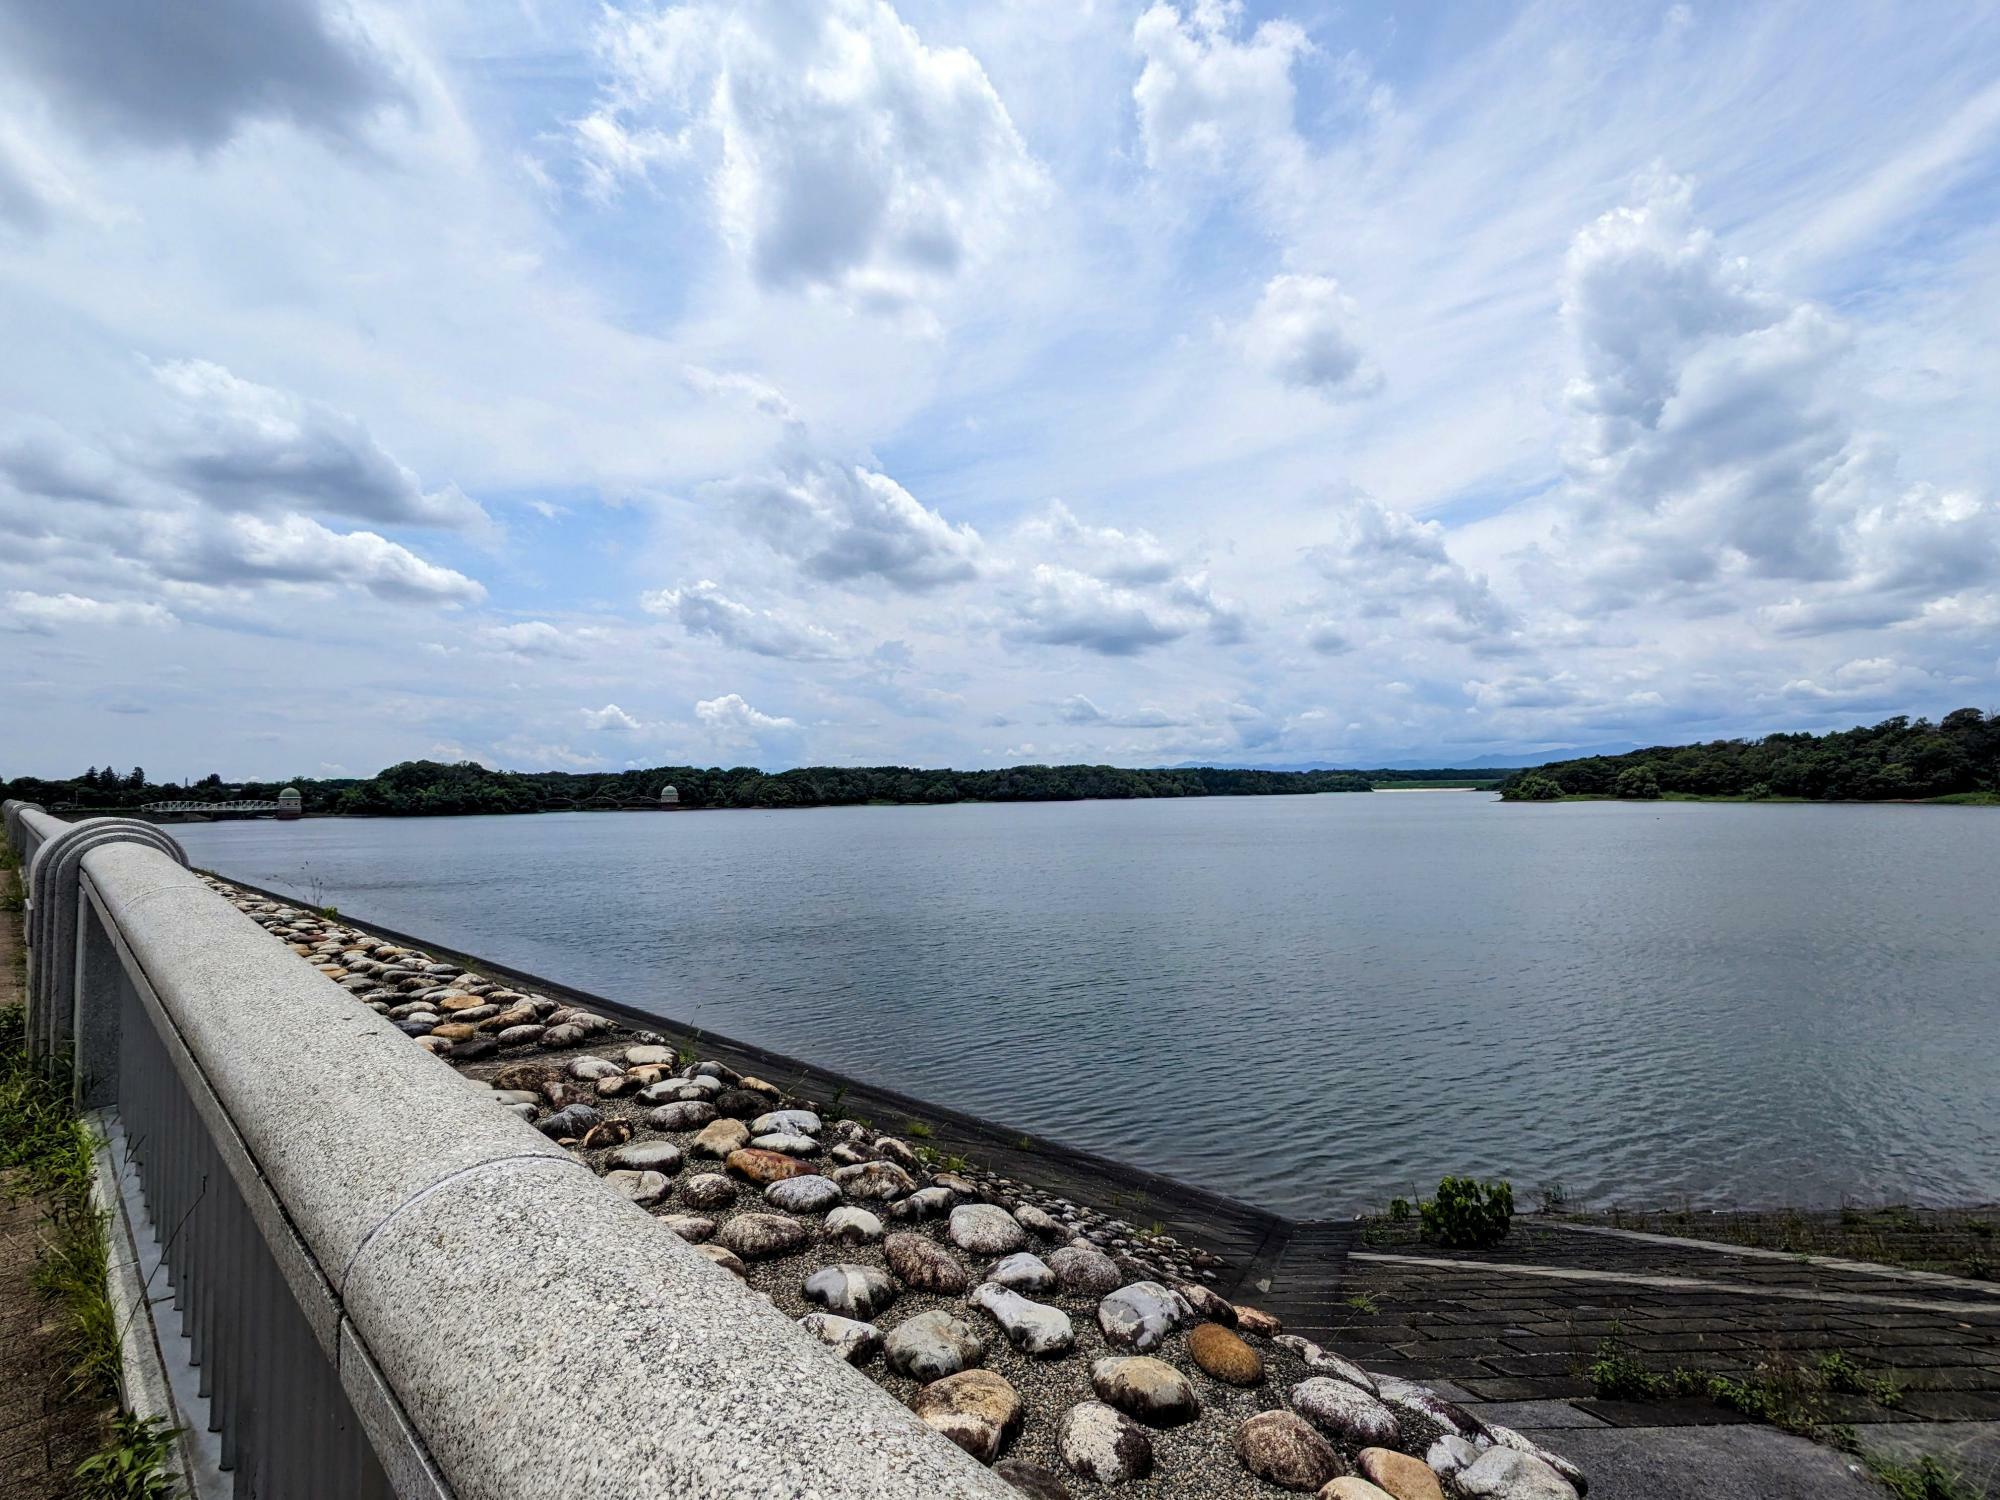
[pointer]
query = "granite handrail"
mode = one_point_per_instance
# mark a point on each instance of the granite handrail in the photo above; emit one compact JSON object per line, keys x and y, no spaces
{"x":501,"y":1324}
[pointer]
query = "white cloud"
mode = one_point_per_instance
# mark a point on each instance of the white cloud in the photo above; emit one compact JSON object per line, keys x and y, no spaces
{"x":48,"y":614}
{"x":703,"y":609}
{"x":843,"y":523}
{"x":1213,"y":105}
{"x":242,"y":446}
{"x":610,"y":719}
{"x":297,"y":549}
{"x":1709,"y":443}
{"x":732,"y":723}
{"x":1114,"y":592}
{"x":1301,"y":333}
{"x":1058,"y":606}
{"x":536,"y":638}
{"x":1382,"y":565}
{"x":842,"y":151}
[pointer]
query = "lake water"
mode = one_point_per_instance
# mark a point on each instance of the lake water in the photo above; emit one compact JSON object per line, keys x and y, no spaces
{"x":1312,"y":1003}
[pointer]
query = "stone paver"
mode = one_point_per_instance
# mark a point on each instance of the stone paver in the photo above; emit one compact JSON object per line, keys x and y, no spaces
{"x":1708,"y":1463}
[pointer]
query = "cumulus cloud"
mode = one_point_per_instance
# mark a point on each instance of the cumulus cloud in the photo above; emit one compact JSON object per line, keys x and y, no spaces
{"x":1215,"y":105}
{"x":1058,"y":606}
{"x":1129,"y":557}
{"x":844,"y":523}
{"x":842,"y":151}
{"x":1106,"y":590}
{"x":610,"y":719}
{"x":733,"y":723}
{"x":48,"y":614}
{"x":703,"y":609}
{"x":1301,"y":333}
{"x":296,"y":549}
{"x":243,"y":446}
{"x":1383,"y":565}
{"x":1707,"y":442}
{"x":189,"y":75}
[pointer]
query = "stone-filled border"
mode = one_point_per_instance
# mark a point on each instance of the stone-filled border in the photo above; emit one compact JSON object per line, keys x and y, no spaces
{"x":1058,"y":1343}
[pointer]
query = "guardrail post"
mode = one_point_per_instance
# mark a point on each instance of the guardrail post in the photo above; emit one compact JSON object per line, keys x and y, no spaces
{"x":58,"y":955}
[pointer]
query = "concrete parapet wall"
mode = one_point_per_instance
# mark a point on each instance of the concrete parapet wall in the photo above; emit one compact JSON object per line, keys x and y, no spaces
{"x":502,"y":1324}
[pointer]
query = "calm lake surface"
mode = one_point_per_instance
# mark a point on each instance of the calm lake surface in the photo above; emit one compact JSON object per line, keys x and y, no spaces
{"x":1312,"y":1003}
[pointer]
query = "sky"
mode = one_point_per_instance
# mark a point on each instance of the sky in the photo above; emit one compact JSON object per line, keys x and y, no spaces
{"x":568,"y":386}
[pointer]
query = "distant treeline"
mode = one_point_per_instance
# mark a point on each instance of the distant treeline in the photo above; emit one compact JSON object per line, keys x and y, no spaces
{"x":1897,"y":760}
{"x":428,"y":787}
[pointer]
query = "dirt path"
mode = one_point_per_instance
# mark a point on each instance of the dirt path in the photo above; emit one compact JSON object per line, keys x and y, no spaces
{"x":44,"y":1434}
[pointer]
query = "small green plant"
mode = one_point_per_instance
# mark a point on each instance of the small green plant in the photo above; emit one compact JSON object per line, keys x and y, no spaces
{"x":835,"y":1108}
{"x":1467,"y":1214}
{"x":1361,"y":1302}
{"x":917,"y":1128}
{"x":1399,"y":1209}
{"x":134,"y":1466}
{"x":928,"y":1155}
{"x":1023,"y":1143}
{"x":1554,"y":1199}
{"x":955,"y":1163}
{"x":1926,"y":1479}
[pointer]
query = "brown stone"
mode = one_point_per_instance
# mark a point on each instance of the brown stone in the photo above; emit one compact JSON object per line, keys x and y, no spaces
{"x":1282,"y":1447}
{"x":976,"y":1409}
{"x":528,"y":1076}
{"x":607,"y":1133}
{"x":1207,"y":1303}
{"x":720,"y":1138}
{"x":925,"y":1265}
{"x":763,"y":1236}
{"x":455,"y":1032}
{"x":1401,"y":1476}
{"x":765,"y":1167}
{"x":459,"y":1000}
{"x":1225,"y":1356}
{"x":759,"y":1086}
{"x":1257,"y":1321}
{"x":1350,"y":1488}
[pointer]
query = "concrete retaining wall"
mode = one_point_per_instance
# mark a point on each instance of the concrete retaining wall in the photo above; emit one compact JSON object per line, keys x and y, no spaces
{"x":503,"y":1325}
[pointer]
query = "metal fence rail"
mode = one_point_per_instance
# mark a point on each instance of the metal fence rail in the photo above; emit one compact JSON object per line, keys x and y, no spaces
{"x":343,"y":1218}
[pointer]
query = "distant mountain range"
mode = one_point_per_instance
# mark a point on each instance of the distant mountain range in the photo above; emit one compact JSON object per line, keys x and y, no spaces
{"x":1436,"y":763}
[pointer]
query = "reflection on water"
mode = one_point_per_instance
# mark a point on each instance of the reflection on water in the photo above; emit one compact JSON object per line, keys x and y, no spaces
{"x":1313,"y":1003}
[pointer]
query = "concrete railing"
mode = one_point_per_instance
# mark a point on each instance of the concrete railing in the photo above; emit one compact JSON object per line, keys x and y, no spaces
{"x":393,"y":1287}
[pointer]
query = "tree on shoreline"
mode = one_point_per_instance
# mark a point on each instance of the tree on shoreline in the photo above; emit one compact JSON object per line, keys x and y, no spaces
{"x":1899,"y":759}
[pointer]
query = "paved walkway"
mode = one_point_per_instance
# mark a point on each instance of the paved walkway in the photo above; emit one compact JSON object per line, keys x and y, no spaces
{"x":1509,"y":1333}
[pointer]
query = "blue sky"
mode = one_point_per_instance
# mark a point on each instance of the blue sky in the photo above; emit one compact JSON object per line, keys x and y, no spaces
{"x":569,"y":386}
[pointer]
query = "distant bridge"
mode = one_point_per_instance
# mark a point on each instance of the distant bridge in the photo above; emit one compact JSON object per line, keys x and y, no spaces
{"x":210,"y":808}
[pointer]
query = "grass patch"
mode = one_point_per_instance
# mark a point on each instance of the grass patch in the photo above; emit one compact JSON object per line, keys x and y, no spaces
{"x":133,"y":1465}
{"x":917,"y":1128}
{"x":1361,"y":1302}
{"x":41,"y":1137}
{"x":52,"y":1151}
{"x":1782,"y":1391}
{"x":1926,"y":1479}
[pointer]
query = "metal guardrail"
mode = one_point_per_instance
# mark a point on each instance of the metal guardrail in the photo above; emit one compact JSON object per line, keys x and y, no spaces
{"x":390,"y":1287}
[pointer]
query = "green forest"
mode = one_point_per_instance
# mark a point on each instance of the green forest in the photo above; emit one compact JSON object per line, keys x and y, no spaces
{"x":428,"y":787}
{"x":1901,"y":759}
